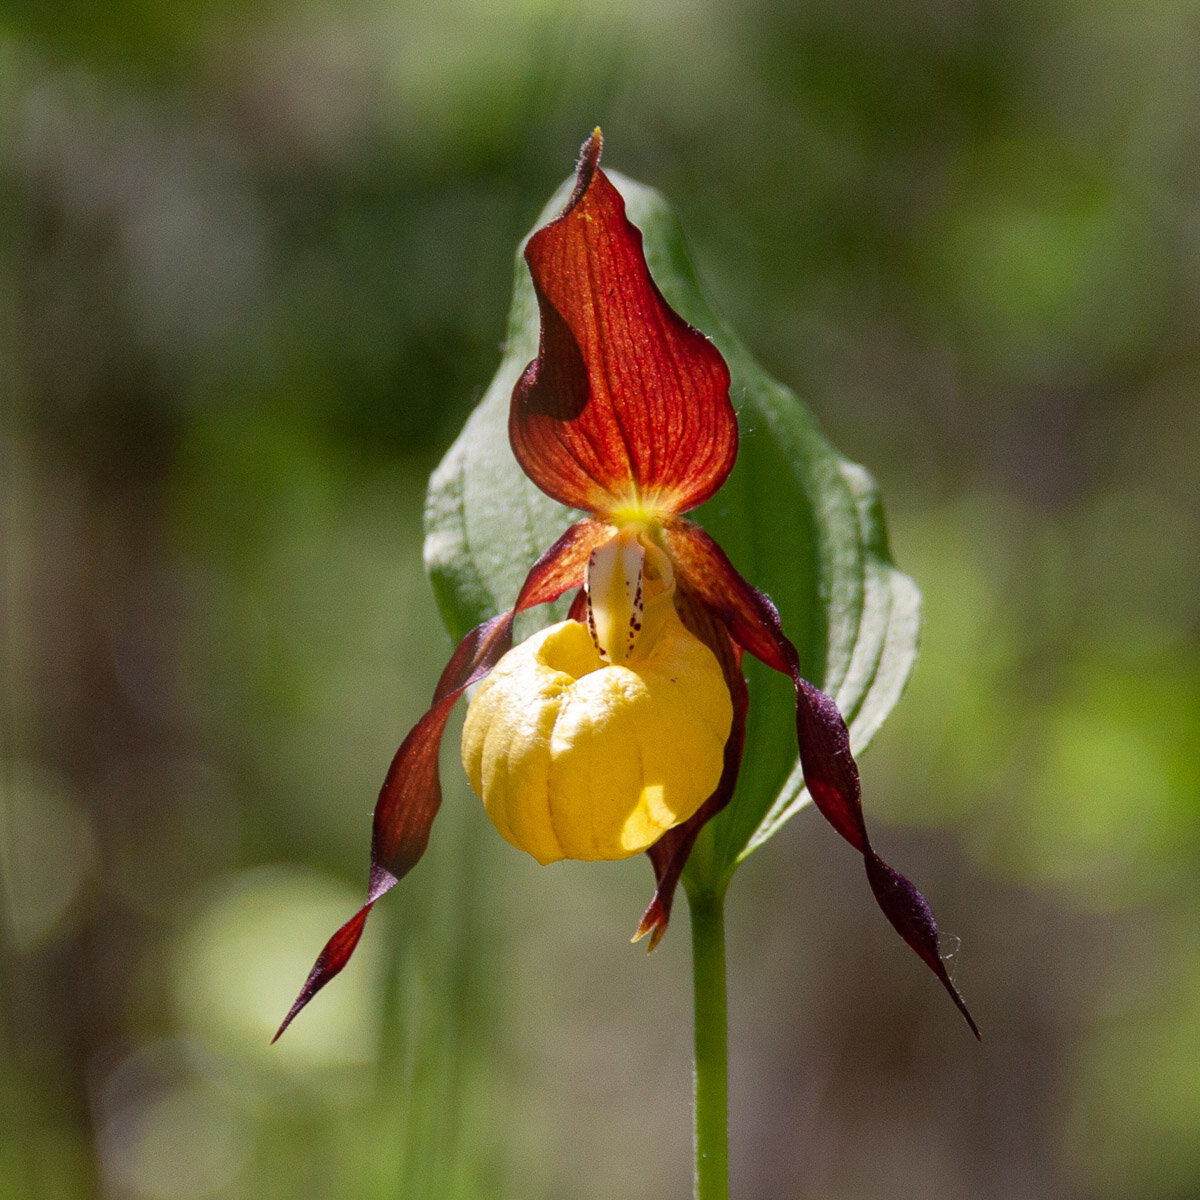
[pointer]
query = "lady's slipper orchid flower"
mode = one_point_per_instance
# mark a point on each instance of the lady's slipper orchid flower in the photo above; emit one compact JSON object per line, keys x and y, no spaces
{"x":621,"y":729}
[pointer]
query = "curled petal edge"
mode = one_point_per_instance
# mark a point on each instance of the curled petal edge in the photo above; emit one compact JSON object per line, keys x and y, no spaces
{"x":830,"y":772}
{"x":411,"y":794}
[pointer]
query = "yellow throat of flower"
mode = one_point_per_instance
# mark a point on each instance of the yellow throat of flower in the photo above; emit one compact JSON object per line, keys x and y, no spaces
{"x":590,"y":742}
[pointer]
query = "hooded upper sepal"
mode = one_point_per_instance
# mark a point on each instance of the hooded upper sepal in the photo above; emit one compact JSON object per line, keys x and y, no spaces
{"x":626,"y":405}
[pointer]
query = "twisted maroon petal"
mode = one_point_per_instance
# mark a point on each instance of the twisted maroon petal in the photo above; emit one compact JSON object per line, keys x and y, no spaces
{"x":411,"y":793}
{"x":625,"y":403}
{"x":830,"y":772}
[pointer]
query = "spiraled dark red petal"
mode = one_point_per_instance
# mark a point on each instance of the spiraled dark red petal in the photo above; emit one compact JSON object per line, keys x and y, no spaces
{"x":626,"y":403}
{"x":411,"y":793}
{"x":830,"y":772}
{"x":670,"y":853}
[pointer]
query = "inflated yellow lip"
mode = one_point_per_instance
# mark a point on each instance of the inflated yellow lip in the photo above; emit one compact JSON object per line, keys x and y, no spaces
{"x":577,"y":757}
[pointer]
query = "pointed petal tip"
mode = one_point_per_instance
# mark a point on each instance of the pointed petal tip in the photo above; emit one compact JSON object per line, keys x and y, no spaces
{"x":654,"y":927}
{"x":330,"y":961}
{"x":971,"y":1023}
{"x":653,"y":924}
{"x":912,"y":918}
{"x":586,"y":167}
{"x":961,"y":1005}
{"x":300,"y":1003}
{"x":293,"y":1012}
{"x":646,"y":924}
{"x":955,"y":995}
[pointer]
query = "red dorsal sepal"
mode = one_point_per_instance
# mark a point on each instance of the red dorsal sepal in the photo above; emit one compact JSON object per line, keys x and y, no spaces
{"x":626,"y":405}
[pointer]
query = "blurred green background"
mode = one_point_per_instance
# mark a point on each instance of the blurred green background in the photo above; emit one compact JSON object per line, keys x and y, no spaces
{"x":256,"y":259}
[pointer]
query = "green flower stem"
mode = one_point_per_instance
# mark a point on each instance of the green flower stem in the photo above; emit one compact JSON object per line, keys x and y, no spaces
{"x":712,"y":1071}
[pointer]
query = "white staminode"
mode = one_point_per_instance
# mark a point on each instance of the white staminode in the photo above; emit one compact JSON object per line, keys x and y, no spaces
{"x":621,"y":576}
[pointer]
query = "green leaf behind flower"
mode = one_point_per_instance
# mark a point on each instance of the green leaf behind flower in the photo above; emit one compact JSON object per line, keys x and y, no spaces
{"x":798,"y":520}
